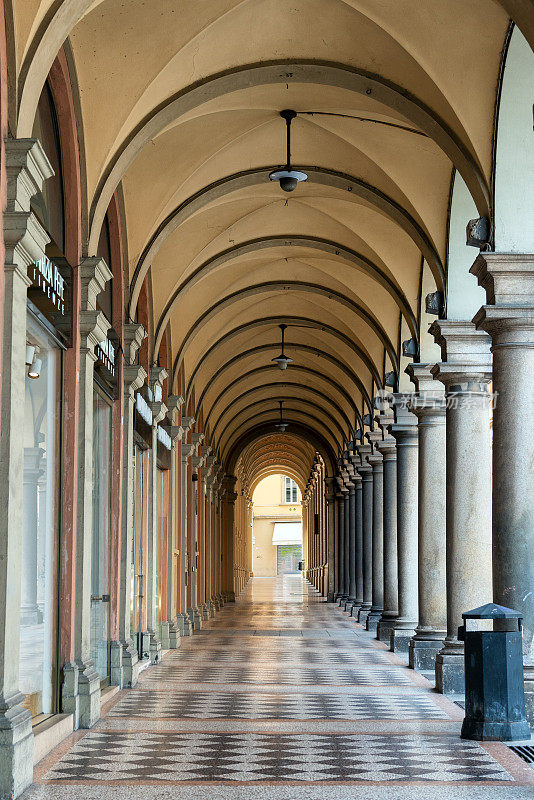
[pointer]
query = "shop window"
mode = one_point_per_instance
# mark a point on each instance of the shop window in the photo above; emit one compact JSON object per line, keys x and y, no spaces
{"x":100,"y":561}
{"x":163,"y":519}
{"x":49,"y":205}
{"x":39,"y":593}
{"x":104,"y":301}
{"x":138,"y":621}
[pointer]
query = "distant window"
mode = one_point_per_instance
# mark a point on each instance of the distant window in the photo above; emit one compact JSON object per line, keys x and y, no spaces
{"x":290,"y":492}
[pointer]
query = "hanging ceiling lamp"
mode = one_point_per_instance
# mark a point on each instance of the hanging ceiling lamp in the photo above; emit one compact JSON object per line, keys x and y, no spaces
{"x":288,"y":178}
{"x":282,"y":360}
{"x":281,"y":426}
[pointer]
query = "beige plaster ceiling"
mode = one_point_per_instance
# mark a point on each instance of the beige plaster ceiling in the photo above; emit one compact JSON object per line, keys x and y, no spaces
{"x":180,"y":103}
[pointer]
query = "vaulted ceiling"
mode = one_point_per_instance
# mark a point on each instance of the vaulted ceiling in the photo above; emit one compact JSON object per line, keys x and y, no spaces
{"x":180,"y":104}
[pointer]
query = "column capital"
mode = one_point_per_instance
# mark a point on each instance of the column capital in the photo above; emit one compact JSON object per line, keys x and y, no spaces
{"x":174,"y":402}
{"x":373,"y":437}
{"x":27,"y":168}
{"x":25,"y":240}
{"x":404,"y":429}
{"x":376,"y":462}
{"x":465,"y":352}
{"x":187,"y":423}
{"x":94,"y":274}
{"x":384,"y":421}
{"x":197,"y":438}
{"x":175,"y":432}
{"x":133,"y":336}
{"x":342,"y":488}
{"x":134,"y":376}
{"x":388,"y":448}
{"x":429,"y":399}
{"x":187,"y":451}
{"x":94,"y":328}
{"x":157,"y":375}
{"x":197,"y":461}
{"x":507,"y":278}
{"x":228,"y":485}
{"x":330,"y":489}
{"x":158,"y":412}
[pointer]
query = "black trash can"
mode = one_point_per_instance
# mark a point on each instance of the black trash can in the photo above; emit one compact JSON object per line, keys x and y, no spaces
{"x":494,"y":684}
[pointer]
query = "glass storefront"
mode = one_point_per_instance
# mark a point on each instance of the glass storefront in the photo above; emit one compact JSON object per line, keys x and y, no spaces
{"x":40,"y":526}
{"x":100,"y":561}
{"x":162,"y":543}
{"x":138,"y":567}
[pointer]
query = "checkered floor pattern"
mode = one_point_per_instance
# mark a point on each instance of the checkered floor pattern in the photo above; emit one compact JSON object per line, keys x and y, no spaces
{"x":282,"y":656}
{"x":155,"y":757}
{"x":362,"y":676}
{"x":240,"y":705}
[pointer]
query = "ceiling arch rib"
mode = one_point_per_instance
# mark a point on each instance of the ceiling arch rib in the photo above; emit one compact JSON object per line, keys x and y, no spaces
{"x":227,"y":301}
{"x":303,"y":432}
{"x":272,"y":415}
{"x":315,"y":243}
{"x":296,"y":322}
{"x":320,"y":73}
{"x":304,"y":370}
{"x":302,"y":418}
{"x":292,"y":385}
{"x":274,"y":346}
{"x":253,"y":177}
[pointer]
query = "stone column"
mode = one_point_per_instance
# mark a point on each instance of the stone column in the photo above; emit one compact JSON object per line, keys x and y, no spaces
{"x":210,"y":483}
{"x":388,"y":448}
{"x":404,"y":430}
{"x":375,"y":460}
{"x":330,"y":499}
{"x":366,"y":472}
{"x":339,"y":543}
{"x":343,"y":589}
{"x":466,"y":373}
{"x":182,"y":617}
{"x":351,"y":540}
{"x":429,"y":407}
{"x":230,"y":496}
{"x":27,"y":168}
{"x":125,"y":671}
{"x":29,"y":611}
{"x":509,"y":319}
{"x":346,"y":541}
{"x":358,"y":535}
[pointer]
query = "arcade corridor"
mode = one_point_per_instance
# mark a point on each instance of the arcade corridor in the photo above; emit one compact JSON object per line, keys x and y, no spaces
{"x":280,"y":696}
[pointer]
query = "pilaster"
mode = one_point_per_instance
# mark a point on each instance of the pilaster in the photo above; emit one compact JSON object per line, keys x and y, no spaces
{"x":27,"y":168}
{"x":388,"y":448}
{"x":375,"y":460}
{"x":366,"y":472}
{"x":134,"y":376}
{"x":156,"y":377}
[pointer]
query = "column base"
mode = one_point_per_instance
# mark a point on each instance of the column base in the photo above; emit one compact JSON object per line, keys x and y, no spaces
{"x":423,"y":651}
{"x":130,"y":664}
{"x":349,"y":604}
{"x":213,"y":607}
{"x":399,"y":640}
{"x":81,"y":693}
{"x":482,"y":731}
{"x":528,"y":672}
{"x":373,"y":618}
{"x":195,"y":617}
{"x":154,"y":647}
{"x":355,"y":608}
{"x":363,"y":612}
{"x":175,"y":639}
{"x":183,"y":623}
{"x":330,"y":597}
{"x":164,"y":636}
{"x":450,"y":673}
{"x":116,"y":677}
{"x":204,"y":611}
{"x":16,"y":746}
{"x":342,"y":599}
{"x":383,"y":629}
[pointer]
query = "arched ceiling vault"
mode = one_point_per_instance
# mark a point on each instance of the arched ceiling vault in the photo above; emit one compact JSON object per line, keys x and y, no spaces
{"x":179,"y":106}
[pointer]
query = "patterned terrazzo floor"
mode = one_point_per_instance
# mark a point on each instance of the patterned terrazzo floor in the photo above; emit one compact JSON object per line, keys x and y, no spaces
{"x":281,"y":696}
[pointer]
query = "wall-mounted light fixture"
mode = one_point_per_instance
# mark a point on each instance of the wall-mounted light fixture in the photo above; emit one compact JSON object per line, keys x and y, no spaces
{"x":34,"y":369}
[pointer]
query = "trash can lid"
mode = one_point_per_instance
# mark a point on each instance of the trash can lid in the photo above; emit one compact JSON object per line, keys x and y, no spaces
{"x":492,"y":611}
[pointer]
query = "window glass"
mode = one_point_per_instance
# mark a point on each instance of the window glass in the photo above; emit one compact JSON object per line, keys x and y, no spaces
{"x":100,"y":562}
{"x":290,"y":491}
{"x":48,"y":204}
{"x":38,"y":628}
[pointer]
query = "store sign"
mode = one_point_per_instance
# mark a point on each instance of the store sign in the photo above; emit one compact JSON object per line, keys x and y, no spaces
{"x":106,"y":354}
{"x":164,"y":438}
{"x":50,"y":289}
{"x":143,"y":409}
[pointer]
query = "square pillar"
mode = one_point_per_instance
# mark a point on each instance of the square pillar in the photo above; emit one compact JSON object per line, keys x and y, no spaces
{"x":27,"y":168}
